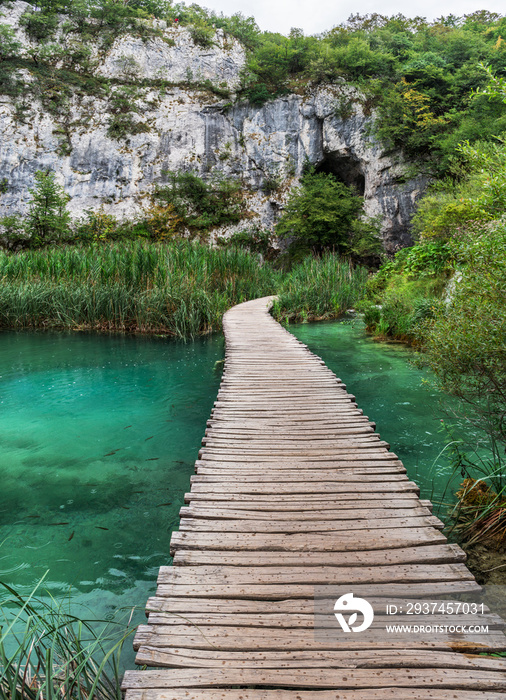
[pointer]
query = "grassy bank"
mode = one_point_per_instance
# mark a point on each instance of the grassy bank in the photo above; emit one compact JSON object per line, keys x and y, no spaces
{"x":180,"y":288}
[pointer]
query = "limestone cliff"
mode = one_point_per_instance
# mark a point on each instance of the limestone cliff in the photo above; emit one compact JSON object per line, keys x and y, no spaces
{"x":181,"y":123}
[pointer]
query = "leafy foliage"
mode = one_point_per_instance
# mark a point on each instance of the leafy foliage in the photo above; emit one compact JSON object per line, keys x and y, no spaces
{"x":9,"y":45}
{"x":202,"y":205}
{"x":47,"y":220}
{"x":465,"y":345}
{"x":322,"y":214}
{"x":479,"y":195}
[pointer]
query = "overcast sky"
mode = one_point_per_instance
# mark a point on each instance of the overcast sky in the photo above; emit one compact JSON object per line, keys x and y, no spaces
{"x":314,"y":17}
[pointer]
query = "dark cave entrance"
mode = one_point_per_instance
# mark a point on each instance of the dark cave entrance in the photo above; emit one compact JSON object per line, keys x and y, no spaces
{"x":345,"y":169}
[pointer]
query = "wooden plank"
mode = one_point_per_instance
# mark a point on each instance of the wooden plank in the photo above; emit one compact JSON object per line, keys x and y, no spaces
{"x":312,"y":678}
{"x":275,"y":639}
{"x":243,"y":575}
{"x":303,"y":471}
{"x":281,"y":477}
{"x":365,"y":465}
{"x":437,"y":554}
{"x":327,"y":487}
{"x":332,"y":542}
{"x":299,"y":590}
{"x":179,"y":605}
{"x":304,"y":526}
{"x":348,"y":456}
{"x":354,"y":499}
{"x":347,"y":514}
{"x":274,"y":622}
{"x":375,"y":658}
{"x":258,"y":694}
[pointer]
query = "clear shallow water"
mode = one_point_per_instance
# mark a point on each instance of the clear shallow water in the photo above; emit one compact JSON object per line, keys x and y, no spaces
{"x":393,"y":393}
{"x":98,"y":436}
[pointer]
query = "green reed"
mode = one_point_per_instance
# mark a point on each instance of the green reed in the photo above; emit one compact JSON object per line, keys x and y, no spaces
{"x":46,"y":653}
{"x":180,"y":288}
{"x":320,"y":288}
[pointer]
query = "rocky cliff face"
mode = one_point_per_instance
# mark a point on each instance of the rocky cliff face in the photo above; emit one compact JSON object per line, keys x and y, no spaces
{"x":182,"y":125}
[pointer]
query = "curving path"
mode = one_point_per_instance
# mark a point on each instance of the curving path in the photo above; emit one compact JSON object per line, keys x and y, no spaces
{"x":294,"y":489}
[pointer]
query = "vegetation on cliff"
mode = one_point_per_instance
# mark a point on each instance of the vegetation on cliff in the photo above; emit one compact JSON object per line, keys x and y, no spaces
{"x":418,"y":75}
{"x":447,"y":294}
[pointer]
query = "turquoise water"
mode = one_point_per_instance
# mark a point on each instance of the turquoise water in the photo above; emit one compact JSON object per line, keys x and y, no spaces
{"x":98,"y":437}
{"x":394,"y":394}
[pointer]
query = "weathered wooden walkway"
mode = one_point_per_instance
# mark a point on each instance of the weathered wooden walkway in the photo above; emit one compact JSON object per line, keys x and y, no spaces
{"x":295,"y":489}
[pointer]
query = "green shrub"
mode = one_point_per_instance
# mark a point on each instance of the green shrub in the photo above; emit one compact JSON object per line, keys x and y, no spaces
{"x":322,"y":214}
{"x":47,"y":220}
{"x":39,"y":25}
{"x":9,"y":45}
{"x":12,"y":232}
{"x":465,"y":344}
{"x":202,"y":34}
{"x":202,"y":205}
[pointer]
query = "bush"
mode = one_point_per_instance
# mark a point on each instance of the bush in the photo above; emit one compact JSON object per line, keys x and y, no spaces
{"x":202,"y":34}
{"x":319,"y":215}
{"x":464,"y":345}
{"x":39,"y":25}
{"x":407,"y":290}
{"x":9,"y":45}
{"x":12,"y":232}
{"x":47,"y":220}
{"x":200,"y":205}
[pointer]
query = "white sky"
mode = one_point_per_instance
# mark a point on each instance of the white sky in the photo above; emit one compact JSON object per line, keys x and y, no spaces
{"x":313,"y":17}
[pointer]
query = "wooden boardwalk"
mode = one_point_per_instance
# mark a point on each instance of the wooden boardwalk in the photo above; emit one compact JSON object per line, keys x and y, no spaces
{"x":293,"y":489}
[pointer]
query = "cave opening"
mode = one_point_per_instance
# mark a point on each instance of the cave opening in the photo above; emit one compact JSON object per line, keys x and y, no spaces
{"x":345,"y":169}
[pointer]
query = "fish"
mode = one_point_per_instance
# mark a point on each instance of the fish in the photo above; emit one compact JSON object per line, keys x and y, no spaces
{"x":71,"y":535}
{"x":137,"y":491}
{"x":51,"y":524}
{"x":152,"y":459}
{"x":99,"y":527}
{"x":125,"y":507}
{"x":163,"y":504}
{"x":112,"y":453}
{"x":149,"y":438}
{"x":127,"y":426}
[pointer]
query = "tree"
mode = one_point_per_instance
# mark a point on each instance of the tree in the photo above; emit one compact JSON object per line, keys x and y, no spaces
{"x":319,"y":215}
{"x":48,"y":219}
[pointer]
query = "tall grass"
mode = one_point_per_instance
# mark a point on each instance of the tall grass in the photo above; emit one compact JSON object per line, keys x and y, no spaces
{"x":180,"y":288}
{"x":320,"y":288}
{"x":47,"y":653}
